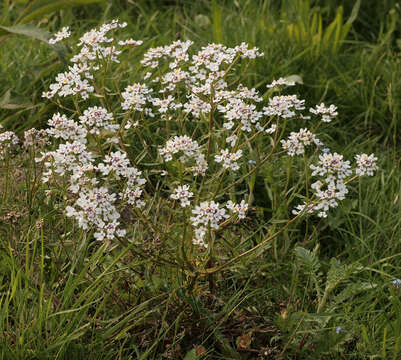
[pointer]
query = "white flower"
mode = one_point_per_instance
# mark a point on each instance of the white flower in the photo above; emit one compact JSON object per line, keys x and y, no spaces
{"x":164,"y":104}
{"x":63,"y":34}
{"x":279,"y":82}
{"x":332,"y":164}
{"x":97,"y":118}
{"x":181,"y":193}
{"x":284,"y":106}
{"x":366,"y":164}
{"x":130,"y":42}
{"x":62,"y":127}
{"x":237,"y":109}
{"x":232,"y":140}
{"x":177,"y":52}
{"x":208,"y":213}
{"x":179,"y":143}
{"x":95,"y":208}
{"x":328,"y":113}
{"x":135,"y":97}
{"x":239,"y":209}
{"x":7,"y":140}
{"x":328,"y":192}
{"x":199,"y":239}
{"x":71,"y":83}
{"x":229,"y":159}
{"x":271,"y":129}
{"x":298,"y":140}
{"x":196,"y":106}
{"x":133,"y":196}
{"x":190,"y":149}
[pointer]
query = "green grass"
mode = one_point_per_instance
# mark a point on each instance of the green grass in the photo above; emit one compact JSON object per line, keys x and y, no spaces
{"x":64,"y":296}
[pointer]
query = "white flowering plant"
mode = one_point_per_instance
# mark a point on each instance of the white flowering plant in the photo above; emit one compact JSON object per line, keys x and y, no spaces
{"x":169,"y":157}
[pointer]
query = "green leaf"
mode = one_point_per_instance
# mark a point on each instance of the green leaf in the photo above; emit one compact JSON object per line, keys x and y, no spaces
{"x":6,"y":102}
{"x":354,"y":12}
{"x":15,"y":106}
{"x":339,"y":272}
{"x":191,"y":355}
{"x":352,"y":290}
{"x":5,"y":98}
{"x":38,"y":34}
{"x":335,"y":274}
{"x":308,"y":259}
{"x":27,"y":30}
{"x":217,"y":25}
{"x":295,"y":78}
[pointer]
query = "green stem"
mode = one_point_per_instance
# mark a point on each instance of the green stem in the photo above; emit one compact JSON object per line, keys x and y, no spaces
{"x":265,"y":241}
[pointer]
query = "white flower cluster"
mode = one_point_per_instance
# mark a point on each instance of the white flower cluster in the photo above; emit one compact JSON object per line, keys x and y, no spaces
{"x":284,"y":106}
{"x":213,"y":56}
{"x":280,"y":82}
{"x":332,"y":164}
{"x":237,"y":110}
{"x":196,"y":106}
{"x":228,"y":159}
{"x":63,"y":34}
{"x":177,"y":51}
{"x":298,"y":140}
{"x":366,"y":164}
{"x":135,"y":97}
{"x":199,"y":88}
{"x":183,"y":194}
{"x":191,"y":150}
{"x":165,"y":104}
{"x":7,"y":140}
{"x":328,"y":113}
{"x":130,"y":42}
{"x":94,"y":207}
{"x":199,"y":75}
{"x":239,"y":209}
{"x":328,"y":192}
{"x":71,"y":159}
{"x":71,"y":83}
{"x":332,"y":188}
{"x":97,"y":118}
{"x":116,"y":164}
{"x":78,"y":78}
{"x":210,"y":214}
{"x":63,"y":128}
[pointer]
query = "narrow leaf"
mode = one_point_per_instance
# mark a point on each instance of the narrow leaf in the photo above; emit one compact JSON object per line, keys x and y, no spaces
{"x":217,"y":25}
{"x":35,"y":33}
{"x":27,"y":30}
{"x":354,"y":12}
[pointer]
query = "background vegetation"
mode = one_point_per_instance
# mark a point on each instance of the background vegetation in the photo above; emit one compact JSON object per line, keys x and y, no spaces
{"x":321,"y":290}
